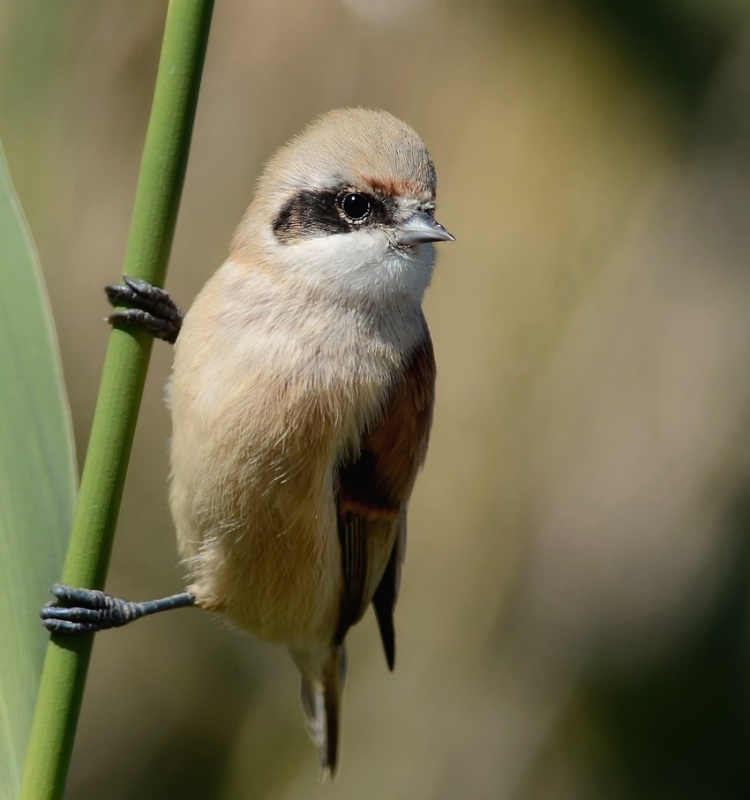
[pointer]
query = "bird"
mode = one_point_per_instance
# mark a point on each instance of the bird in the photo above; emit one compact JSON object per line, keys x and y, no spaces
{"x":301,"y":395}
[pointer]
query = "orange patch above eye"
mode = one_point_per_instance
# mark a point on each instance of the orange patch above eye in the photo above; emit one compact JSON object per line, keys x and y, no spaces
{"x":393,"y":187}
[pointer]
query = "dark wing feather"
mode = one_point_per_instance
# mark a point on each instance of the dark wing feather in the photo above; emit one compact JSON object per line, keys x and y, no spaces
{"x":384,"y":599}
{"x":372,"y":496}
{"x":366,"y":546}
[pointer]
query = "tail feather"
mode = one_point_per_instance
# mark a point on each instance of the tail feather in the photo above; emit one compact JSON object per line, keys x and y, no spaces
{"x":321,"y":703}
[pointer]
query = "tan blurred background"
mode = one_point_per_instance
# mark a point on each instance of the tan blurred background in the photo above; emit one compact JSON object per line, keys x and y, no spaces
{"x":573,"y":621}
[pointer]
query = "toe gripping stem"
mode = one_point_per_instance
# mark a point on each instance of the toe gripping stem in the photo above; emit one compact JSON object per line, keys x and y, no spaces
{"x":149,"y":308}
{"x":89,"y":610}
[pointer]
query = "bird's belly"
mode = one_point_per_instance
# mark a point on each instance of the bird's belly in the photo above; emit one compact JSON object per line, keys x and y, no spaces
{"x":263,"y":551}
{"x":282,"y":583}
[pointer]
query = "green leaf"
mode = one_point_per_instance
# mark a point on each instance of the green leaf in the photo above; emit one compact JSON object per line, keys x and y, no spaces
{"x":37,"y":478}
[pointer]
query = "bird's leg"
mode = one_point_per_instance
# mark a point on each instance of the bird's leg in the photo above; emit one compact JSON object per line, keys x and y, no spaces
{"x":89,"y":610}
{"x":147,"y":307}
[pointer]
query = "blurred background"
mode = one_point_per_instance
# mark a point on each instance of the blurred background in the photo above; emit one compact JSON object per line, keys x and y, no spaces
{"x":574,"y":615}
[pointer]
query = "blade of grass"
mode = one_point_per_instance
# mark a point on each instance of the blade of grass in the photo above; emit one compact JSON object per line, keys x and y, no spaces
{"x":154,"y":215}
{"x":37,"y":477}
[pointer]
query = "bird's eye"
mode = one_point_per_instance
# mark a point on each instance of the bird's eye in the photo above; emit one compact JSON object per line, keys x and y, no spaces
{"x":355,"y":206}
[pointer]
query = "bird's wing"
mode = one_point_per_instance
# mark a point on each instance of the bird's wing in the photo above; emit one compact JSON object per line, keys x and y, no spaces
{"x":373,"y":492}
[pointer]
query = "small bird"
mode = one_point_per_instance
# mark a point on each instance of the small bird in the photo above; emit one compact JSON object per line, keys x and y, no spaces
{"x":301,"y":397}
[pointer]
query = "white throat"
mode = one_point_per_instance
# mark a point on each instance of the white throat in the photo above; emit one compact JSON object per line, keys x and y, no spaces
{"x":361,"y":265}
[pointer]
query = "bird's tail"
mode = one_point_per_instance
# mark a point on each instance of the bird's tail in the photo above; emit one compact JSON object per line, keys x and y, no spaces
{"x":321,"y":702}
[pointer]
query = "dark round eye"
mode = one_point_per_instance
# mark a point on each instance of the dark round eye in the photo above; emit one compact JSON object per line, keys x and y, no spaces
{"x":356,"y":206}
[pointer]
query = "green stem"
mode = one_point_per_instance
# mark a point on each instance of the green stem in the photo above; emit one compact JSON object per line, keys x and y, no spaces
{"x":157,"y":201}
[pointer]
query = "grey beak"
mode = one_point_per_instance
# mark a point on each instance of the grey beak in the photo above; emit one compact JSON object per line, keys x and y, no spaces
{"x":420,"y":228}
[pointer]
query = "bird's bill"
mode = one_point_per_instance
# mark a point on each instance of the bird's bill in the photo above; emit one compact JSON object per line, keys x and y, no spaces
{"x":421,"y":228}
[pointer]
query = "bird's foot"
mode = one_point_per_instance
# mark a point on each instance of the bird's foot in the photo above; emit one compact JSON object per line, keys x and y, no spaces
{"x":89,"y":610}
{"x":149,"y":308}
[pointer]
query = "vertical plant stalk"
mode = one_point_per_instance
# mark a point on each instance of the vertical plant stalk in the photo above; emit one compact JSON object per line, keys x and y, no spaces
{"x":157,"y":201}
